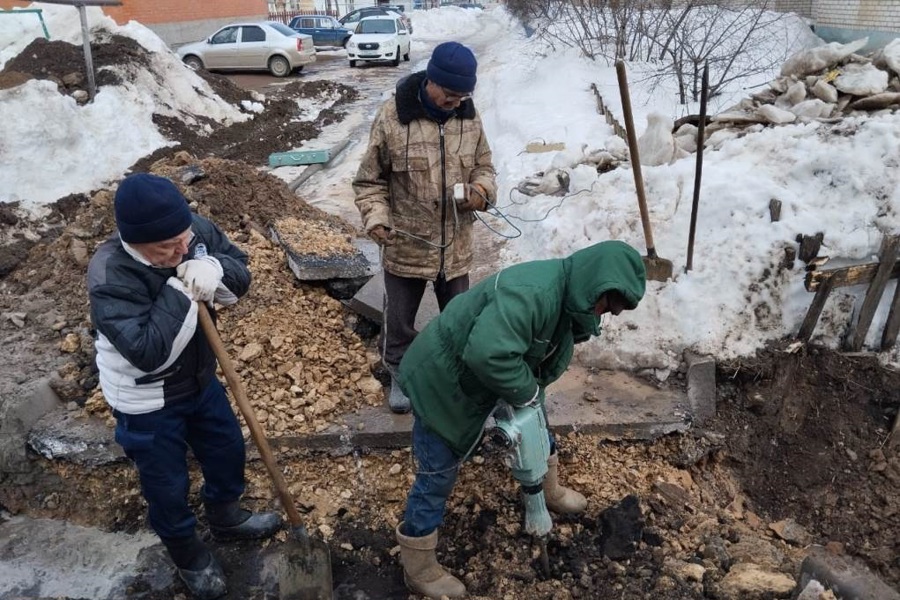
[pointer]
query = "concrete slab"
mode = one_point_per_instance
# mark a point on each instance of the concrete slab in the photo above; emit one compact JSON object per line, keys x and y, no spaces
{"x":369,"y":302}
{"x":41,"y":558}
{"x":68,"y":435}
{"x":844,"y":575}
{"x":613,"y":405}
{"x":18,"y":414}
{"x":701,"y":389}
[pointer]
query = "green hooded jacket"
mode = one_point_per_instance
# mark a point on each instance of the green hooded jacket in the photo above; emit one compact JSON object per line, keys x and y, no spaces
{"x":510,"y":336}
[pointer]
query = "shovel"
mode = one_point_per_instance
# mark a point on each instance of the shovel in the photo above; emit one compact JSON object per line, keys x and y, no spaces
{"x":305,"y":572}
{"x":658,"y":269}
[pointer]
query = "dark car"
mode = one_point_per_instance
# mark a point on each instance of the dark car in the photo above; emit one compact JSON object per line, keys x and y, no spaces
{"x":325,"y":30}
{"x":351,"y":19}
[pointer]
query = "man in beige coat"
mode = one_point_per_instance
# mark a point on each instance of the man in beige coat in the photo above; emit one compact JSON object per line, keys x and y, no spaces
{"x":427,"y":169}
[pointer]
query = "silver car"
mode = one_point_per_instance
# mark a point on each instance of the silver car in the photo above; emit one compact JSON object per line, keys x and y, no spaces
{"x":269,"y":45}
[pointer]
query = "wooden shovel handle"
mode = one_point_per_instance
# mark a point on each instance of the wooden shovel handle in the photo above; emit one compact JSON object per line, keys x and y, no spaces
{"x":635,"y":157}
{"x":256,"y":432}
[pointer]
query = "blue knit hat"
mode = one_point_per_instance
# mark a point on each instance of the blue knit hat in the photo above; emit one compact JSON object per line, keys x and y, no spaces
{"x":453,"y":66}
{"x":150,"y":208}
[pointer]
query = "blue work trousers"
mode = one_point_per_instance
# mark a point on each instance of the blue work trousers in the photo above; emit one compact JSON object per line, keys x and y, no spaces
{"x":158,"y":441}
{"x":437,"y":469}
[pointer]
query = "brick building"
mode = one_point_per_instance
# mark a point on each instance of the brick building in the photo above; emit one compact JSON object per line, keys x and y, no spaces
{"x":847,"y":20}
{"x":177,"y":21}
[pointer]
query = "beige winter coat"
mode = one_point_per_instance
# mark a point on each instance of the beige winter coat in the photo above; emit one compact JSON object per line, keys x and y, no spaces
{"x":405,"y":182}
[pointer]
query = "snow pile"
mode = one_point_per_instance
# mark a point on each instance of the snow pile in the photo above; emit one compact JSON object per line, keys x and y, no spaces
{"x":87,"y":145}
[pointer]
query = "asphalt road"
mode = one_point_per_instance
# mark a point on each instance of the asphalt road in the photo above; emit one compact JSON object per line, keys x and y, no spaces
{"x":330,"y":64}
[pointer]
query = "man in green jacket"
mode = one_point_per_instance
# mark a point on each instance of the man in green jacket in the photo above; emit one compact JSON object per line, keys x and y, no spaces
{"x":505,"y":339}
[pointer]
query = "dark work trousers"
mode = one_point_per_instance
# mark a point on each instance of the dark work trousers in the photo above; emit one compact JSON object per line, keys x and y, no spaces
{"x":402,"y":297}
{"x":157,"y":442}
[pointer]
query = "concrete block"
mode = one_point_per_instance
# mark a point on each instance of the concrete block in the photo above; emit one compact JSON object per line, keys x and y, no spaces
{"x":610,"y":404}
{"x":18,"y":414}
{"x":846,"y":577}
{"x":701,"y":386}
{"x":60,"y":435}
{"x":369,"y":302}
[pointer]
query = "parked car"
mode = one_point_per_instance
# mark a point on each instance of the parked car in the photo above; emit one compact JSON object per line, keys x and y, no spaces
{"x":353,"y":17}
{"x":269,"y":45}
{"x":470,"y":5}
{"x":325,"y":30}
{"x":379,"y":39}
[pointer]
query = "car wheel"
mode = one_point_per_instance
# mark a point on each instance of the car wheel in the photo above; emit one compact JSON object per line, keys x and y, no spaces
{"x":352,"y":63}
{"x":279,"y":66}
{"x":396,"y":62}
{"x":193,"y":62}
{"x":406,"y":57}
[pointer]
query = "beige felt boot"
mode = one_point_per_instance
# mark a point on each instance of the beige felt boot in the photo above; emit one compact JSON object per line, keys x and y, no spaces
{"x":421,"y":571}
{"x":561,"y":500}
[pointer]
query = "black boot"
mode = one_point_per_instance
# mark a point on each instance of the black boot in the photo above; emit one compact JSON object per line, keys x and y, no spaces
{"x":197,"y":567}
{"x":228,"y":521}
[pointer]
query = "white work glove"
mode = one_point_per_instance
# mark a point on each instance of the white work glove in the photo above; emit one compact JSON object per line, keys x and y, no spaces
{"x":201,"y":276}
{"x":177,"y":284}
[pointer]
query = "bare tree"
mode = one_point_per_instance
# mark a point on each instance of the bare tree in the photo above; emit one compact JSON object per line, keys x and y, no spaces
{"x":675,"y":36}
{"x":731,"y":39}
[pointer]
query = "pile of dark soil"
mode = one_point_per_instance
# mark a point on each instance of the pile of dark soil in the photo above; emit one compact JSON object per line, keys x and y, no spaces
{"x":809,"y":438}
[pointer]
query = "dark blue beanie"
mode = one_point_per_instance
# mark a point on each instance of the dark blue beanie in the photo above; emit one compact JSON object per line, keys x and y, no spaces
{"x":453,"y":66}
{"x":150,"y":208}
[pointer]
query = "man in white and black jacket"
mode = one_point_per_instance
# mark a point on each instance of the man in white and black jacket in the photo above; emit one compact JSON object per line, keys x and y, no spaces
{"x":157,"y":370}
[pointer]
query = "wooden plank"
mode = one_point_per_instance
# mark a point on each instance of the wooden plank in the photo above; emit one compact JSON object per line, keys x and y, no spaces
{"x":886,"y":263}
{"x":892,"y":326}
{"x":815,"y":309}
{"x":855,"y":275}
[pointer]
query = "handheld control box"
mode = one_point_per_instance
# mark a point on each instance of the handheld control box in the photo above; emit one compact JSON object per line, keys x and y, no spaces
{"x":459,"y":193}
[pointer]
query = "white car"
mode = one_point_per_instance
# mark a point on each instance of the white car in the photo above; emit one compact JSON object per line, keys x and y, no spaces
{"x":379,"y":38}
{"x":268,"y":46}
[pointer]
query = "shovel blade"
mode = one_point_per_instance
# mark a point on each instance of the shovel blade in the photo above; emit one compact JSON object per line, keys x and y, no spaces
{"x":658,"y":269}
{"x":305,"y":570}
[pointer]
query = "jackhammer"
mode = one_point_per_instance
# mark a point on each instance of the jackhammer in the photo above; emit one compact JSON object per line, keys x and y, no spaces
{"x":521,"y":432}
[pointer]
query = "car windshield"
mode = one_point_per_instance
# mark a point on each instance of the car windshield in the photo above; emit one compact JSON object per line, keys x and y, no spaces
{"x":283,"y":29}
{"x":377,"y":26}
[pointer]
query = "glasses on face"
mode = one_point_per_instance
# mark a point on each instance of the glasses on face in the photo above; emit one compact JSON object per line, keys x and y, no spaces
{"x":453,"y":96}
{"x":176,"y":242}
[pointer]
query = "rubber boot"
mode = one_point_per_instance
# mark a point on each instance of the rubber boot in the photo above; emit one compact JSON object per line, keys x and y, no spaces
{"x":228,"y":521}
{"x":422,"y":573}
{"x":197,"y":567}
{"x":561,"y":500}
{"x":398,"y":401}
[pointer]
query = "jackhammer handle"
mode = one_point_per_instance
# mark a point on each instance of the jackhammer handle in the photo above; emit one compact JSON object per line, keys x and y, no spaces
{"x":635,"y":156}
{"x":240,"y":396}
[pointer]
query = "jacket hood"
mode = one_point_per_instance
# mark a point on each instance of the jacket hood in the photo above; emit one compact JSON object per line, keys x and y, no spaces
{"x":595,"y":270}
